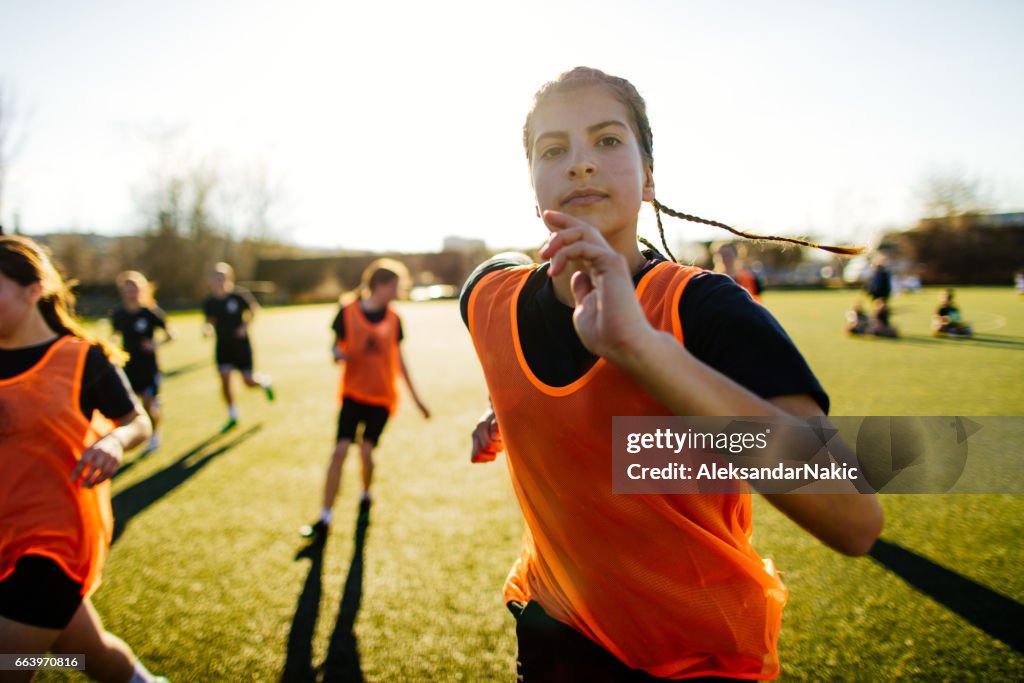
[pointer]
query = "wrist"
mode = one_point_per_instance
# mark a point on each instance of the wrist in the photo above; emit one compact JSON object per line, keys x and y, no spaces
{"x":640,"y":350}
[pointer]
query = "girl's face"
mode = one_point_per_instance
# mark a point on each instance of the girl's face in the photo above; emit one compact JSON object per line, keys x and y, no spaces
{"x":386,"y":292}
{"x":587,"y":161}
{"x":130,"y":293}
{"x":16,"y":304}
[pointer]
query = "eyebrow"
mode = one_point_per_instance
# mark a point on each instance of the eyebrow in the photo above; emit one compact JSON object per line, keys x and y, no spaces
{"x":590,"y":129}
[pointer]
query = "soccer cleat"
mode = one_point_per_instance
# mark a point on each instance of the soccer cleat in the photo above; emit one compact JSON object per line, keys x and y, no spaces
{"x":269,"y":391}
{"x":229,"y":425}
{"x":316,"y":531}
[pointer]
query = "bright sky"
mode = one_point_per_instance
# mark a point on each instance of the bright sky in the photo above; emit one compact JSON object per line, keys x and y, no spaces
{"x":389,"y":125}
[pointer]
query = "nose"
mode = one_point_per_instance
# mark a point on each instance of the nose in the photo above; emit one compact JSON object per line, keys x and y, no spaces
{"x":582,"y":165}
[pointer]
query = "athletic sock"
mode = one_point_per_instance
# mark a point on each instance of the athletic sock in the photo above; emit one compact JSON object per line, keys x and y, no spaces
{"x":232,"y":412}
{"x":325,"y":516}
{"x":365,"y":497}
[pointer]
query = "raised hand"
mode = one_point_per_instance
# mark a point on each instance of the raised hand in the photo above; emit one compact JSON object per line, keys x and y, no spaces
{"x":607,"y":316}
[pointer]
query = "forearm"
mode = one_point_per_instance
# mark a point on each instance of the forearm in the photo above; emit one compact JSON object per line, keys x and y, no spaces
{"x":408,"y":381}
{"x":133,"y":430}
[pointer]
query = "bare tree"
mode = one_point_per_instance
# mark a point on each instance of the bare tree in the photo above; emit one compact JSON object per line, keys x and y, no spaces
{"x":951,"y":193}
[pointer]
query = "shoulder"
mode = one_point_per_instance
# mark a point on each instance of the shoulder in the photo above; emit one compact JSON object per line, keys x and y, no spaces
{"x":96,"y":363}
{"x":503,"y":261}
{"x":726,"y":329}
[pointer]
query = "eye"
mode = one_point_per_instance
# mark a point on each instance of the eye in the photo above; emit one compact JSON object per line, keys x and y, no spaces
{"x":608,"y":141}
{"x":551,"y":152}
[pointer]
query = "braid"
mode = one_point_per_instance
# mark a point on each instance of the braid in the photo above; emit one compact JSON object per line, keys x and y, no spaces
{"x":661,"y":231}
{"x":659,"y":207}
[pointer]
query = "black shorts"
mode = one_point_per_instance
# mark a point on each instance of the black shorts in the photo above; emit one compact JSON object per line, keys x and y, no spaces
{"x":234,"y":354}
{"x":549,"y":651}
{"x":353,"y":413}
{"x":145,"y":380}
{"x":39,"y":593}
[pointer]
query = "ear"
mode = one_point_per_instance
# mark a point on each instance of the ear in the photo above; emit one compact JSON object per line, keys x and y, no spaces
{"x":34,"y":292}
{"x":648,"y":191}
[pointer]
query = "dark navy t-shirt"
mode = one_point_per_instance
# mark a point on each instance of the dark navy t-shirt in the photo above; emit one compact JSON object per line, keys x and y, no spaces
{"x":134,"y":327}
{"x":722,"y":327}
{"x":227,"y":314}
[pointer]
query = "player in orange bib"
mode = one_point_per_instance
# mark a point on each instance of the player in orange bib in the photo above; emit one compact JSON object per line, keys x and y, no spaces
{"x":67,"y":417}
{"x":726,"y":258}
{"x":367,"y":338}
{"x":630,"y":587}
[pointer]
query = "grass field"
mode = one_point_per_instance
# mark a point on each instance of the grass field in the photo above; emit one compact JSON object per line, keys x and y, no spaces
{"x":203,"y":579}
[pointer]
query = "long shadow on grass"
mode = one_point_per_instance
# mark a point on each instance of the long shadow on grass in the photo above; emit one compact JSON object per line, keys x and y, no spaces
{"x":185,"y":369}
{"x":995,"y":614}
{"x":131,"y":501}
{"x":342,"y":662}
{"x":990,"y":341}
{"x":298,"y":665}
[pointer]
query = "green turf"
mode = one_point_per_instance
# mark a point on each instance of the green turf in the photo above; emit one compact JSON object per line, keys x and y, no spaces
{"x":204,"y":584}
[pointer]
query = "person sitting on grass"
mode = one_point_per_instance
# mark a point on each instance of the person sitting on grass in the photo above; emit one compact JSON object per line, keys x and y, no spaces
{"x":880,"y":326}
{"x":947,"y":317}
{"x":857,"y":321}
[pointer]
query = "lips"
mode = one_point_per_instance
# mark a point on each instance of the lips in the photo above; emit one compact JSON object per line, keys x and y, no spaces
{"x":583,"y":197}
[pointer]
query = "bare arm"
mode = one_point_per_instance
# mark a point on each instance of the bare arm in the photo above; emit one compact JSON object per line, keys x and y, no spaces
{"x":408,"y":383}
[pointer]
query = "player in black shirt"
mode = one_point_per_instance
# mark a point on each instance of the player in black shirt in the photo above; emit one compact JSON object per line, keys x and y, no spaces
{"x":136,"y":320}
{"x":228,"y":311}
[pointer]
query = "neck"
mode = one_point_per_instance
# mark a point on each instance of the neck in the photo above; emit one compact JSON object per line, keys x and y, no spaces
{"x":372,"y":303}
{"x":628,"y":247}
{"x":31,"y":332}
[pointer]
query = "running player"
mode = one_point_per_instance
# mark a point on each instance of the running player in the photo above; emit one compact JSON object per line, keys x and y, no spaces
{"x":67,"y":418}
{"x":368,"y":334}
{"x":620,"y":587}
{"x":229,"y":311}
{"x":137,"y":320}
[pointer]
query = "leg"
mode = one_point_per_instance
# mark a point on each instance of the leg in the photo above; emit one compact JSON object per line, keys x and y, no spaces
{"x":333,"y":481}
{"x":376,"y":420}
{"x":225,"y":385}
{"x":16,"y":637}
{"x":152,"y":405}
{"x":251,"y":379}
{"x":366,"y":453}
{"x":107,"y":657}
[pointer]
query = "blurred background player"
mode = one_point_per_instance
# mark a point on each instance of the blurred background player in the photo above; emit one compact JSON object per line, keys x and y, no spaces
{"x":726,"y":257}
{"x":368,"y":334}
{"x":137,"y":320}
{"x":947,"y":318}
{"x":229,"y":311}
{"x":67,"y":418}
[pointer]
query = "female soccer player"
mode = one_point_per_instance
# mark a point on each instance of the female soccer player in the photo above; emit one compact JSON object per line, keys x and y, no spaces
{"x":229,"y":311}
{"x":59,"y":394}
{"x":137,"y":320}
{"x":367,"y":334}
{"x":630,"y":587}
